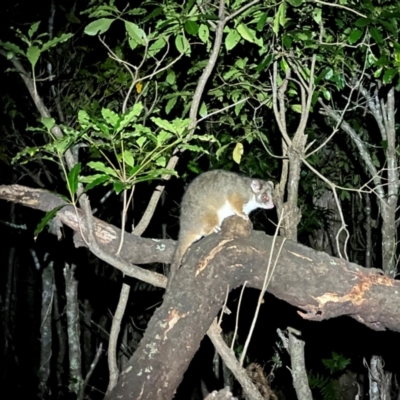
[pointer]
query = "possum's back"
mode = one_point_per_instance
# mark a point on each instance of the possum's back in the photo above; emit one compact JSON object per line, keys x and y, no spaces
{"x":207,"y":194}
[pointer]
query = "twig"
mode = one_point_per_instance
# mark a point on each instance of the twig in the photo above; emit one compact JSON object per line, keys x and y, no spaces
{"x":340,"y":6}
{"x":267,"y":279}
{"x":237,"y":314}
{"x":228,"y":356}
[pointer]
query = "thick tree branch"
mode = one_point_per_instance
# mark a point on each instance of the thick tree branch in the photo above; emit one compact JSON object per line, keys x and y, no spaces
{"x":151,"y":250}
{"x":321,"y":286}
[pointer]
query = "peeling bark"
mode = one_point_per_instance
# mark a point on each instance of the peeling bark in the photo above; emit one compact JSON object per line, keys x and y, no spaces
{"x":320,"y":286}
{"x":108,"y":236}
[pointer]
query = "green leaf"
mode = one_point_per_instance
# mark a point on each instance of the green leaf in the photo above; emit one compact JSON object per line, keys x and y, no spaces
{"x":135,"y":33}
{"x":241,"y":62}
{"x":232,"y":39}
{"x":158,"y":172}
{"x":54,"y":41}
{"x":287,"y":41}
{"x":99,"y":26}
{"x":203,"y":110}
{"x":317,"y":14}
{"x":296,"y":108}
{"x":101,"y":10}
{"x":284,"y":65}
{"x":282,"y":14}
{"x":344,"y":195}
{"x":101,"y":167}
{"x":389,"y":75}
{"x":221,"y":150}
{"x":205,"y":138}
{"x":129,"y":117}
{"x":246,"y":33}
{"x":329,"y":73}
{"x":141,"y":141}
{"x":156,"y":46}
{"x":239,"y":107}
{"x":280,"y":18}
{"x":118,"y":187}
{"x":110,"y":116}
{"x":326,"y":93}
{"x":275,"y":28}
{"x":163,"y":136}
{"x":354,"y":36}
{"x":265,"y":63}
{"x":171,"y":77}
{"x":204,"y":33}
{"x":396,"y":47}
{"x":133,"y":170}
{"x":48,"y":122}
{"x":261,"y":21}
{"x":84,"y":119}
{"x":362,"y":22}
{"x":162,"y":123}
{"x":170,"y":104}
{"x":161,"y":161}
{"x":46,"y":219}
{"x":13,"y":48}
{"x":194,"y":148}
{"x":191,"y":27}
{"x":155,"y":13}
{"x":73,"y":178}
{"x":237,"y":153}
{"x":376,"y":35}
{"x":189,"y":5}
{"x":391,"y":26}
{"x":34,"y":27}
{"x":94,"y":180}
{"x":72,"y":18}
{"x":378,"y":72}
{"x":181,"y":125}
{"x":128,"y":158}
{"x":182,"y":44}
{"x":295,"y":3}
{"x":33,"y":54}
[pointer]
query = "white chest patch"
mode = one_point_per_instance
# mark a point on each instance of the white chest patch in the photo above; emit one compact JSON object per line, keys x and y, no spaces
{"x":250,"y":206}
{"x":227,"y":211}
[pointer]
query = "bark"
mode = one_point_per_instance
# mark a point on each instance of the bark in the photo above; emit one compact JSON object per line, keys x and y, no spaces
{"x":73,"y":323}
{"x":108,"y":236}
{"x":46,"y":333}
{"x":321,"y":286}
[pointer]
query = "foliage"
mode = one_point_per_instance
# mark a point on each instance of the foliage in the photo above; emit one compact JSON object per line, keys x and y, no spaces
{"x":326,"y":384}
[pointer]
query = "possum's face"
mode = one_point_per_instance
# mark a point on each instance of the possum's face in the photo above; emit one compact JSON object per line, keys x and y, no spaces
{"x":263,"y":192}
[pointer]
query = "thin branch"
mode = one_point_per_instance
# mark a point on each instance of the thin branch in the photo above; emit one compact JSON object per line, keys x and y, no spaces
{"x":363,"y":151}
{"x":237,"y":314}
{"x":90,"y":372}
{"x":343,"y":227}
{"x":222,"y":109}
{"x":279,"y":112}
{"x":340,"y":6}
{"x":231,"y":362}
{"x":338,"y":122}
{"x":269,"y":272}
{"x":245,"y":7}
